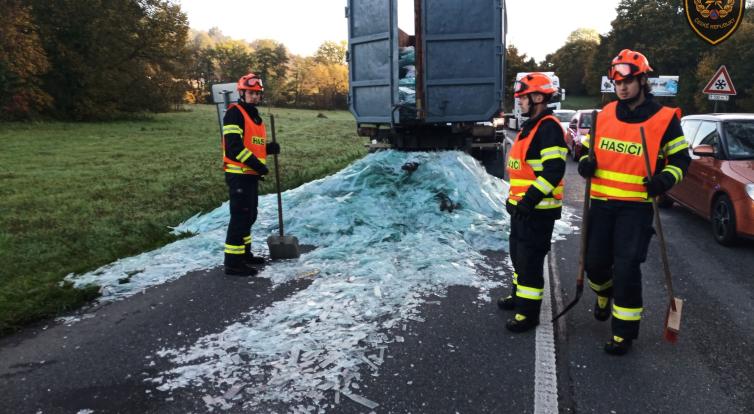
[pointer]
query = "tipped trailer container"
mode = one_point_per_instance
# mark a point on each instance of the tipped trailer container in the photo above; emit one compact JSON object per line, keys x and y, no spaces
{"x":453,"y":87}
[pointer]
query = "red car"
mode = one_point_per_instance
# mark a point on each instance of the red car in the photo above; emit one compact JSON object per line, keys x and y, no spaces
{"x":580,"y":125}
{"x":719,"y":184}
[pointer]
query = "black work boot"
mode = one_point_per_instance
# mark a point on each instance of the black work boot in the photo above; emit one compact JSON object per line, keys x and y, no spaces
{"x":618,"y":346}
{"x":236,"y":265}
{"x":602,"y":308}
{"x":521,"y":323}
{"x":251,"y":259}
{"x":254,"y":260}
{"x":506,"y":302}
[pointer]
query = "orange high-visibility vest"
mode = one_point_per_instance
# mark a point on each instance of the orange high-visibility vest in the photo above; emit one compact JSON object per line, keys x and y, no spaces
{"x":621,"y":168}
{"x":523,"y":172}
{"x":254,"y":142}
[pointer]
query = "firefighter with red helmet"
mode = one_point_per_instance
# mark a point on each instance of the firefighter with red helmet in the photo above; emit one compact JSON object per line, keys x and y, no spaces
{"x":245,"y":150}
{"x":536,"y":166}
{"x":620,"y":215}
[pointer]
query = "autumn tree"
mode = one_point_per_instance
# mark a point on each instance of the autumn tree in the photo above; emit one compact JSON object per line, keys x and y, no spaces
{"x":271,"y":64}
{"x":331,"y":53}
{"x":568,"y":61}
{"x":113,"y":57}
{"x":230,"y":60}
{"x":22,"y":62}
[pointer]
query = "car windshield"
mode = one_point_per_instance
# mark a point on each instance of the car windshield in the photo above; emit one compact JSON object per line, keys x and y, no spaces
{"x":564,"y":116}
{"x":740,"y":139}
{"x":586,"y":120}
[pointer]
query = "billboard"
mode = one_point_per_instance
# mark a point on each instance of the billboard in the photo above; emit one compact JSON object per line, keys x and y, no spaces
{"x":661,"y":86}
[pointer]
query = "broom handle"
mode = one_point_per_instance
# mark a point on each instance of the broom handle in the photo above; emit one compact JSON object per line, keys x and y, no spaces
{"x":277,"y":178}
{"x":584,"y":227}
{"x":587,"y":203}
{"x":658,"y":223}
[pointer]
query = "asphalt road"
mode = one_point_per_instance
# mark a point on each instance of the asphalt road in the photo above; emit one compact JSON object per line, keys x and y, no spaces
{"x":459,"y":359}
{"x":710,"y":367}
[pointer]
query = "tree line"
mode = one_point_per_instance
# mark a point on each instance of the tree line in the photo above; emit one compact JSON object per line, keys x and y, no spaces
{"x":104,"y":59}
{"x":659,"y":30}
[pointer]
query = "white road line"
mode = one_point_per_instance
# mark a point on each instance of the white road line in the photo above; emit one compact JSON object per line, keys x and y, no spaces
{"x":545,"y":370}
{"x":556,"y":288}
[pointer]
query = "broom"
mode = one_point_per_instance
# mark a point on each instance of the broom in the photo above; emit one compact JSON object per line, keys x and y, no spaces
{"x":673,"y":315}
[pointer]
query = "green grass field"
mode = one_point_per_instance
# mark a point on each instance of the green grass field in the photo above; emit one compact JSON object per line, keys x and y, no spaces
{"x":582,"y":102}
{"x":75,"y":196}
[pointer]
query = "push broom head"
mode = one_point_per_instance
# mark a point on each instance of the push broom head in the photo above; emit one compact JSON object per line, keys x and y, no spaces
{"x":673,"y":321}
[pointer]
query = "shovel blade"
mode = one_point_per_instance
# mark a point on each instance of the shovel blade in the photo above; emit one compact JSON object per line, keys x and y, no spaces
{"x":283,"y":247}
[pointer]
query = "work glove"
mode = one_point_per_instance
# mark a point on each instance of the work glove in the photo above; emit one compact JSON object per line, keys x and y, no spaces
{"x":257,"y":165}
{"x":587,"y":167}
{"x":657,"y":185}
{"x":273,"y":148}
{"x":522,"y":210}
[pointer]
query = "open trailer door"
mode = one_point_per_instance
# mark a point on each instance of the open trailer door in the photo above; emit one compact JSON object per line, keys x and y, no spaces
{"x":462,"y":59}
{"x":372,"y":59}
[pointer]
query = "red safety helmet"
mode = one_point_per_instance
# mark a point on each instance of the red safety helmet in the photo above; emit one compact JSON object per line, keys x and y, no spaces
{"x":535,"y":82}
{"x":250,"y":82}
{"x":627,"y":64}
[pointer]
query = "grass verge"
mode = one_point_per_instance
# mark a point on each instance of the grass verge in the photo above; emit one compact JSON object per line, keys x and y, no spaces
{"x":76,"y":196}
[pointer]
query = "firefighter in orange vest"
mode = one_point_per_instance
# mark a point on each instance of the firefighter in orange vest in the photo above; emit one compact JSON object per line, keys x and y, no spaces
{"x":245,"y":150}
{"x":536,"y":166}
{"x":620,"y":216}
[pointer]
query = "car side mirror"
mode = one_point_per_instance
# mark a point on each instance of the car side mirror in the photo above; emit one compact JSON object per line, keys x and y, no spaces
{"x":705,"y":151}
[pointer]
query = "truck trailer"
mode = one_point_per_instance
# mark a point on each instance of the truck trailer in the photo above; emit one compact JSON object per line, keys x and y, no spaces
{"x":448,"y":96}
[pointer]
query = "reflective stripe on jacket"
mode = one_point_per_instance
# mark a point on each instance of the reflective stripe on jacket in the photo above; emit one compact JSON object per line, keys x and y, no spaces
{"x":254,"y":142}
{"x":621,"y":168}
{"x":523,"y":172}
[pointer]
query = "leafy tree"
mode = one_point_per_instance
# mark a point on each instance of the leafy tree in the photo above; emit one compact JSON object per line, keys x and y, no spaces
{"x":737,"y":55}
{"x":230,"y":59}
{"x":271,"y":63}
{"x":111,"y":57}
{"x":331,"y":52}
{"x":327,"y":84}
{"x":22,"y":61}
{"x":584,"y":35}
{"x":568,"y":61}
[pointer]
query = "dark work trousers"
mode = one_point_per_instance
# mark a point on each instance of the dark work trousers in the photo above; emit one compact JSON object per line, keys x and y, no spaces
{"x":529,"y":243}
{"x":243,"y":190}
{"x":617,"y":243}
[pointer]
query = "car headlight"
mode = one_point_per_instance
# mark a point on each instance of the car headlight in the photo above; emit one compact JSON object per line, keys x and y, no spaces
{"x":750,"y":190}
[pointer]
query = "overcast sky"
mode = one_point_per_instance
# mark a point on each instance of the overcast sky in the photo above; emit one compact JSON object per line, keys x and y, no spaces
{"x":536,"y":27}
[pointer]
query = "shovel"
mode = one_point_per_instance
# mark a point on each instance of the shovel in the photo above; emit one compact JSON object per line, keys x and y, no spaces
{"x":673,"y":316}
{"x":281,"y":246}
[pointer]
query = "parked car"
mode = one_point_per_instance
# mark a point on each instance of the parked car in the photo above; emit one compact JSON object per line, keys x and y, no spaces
{"x":719,"y":184}
{"x":564,"y":116}
{"x":580,"y":125}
